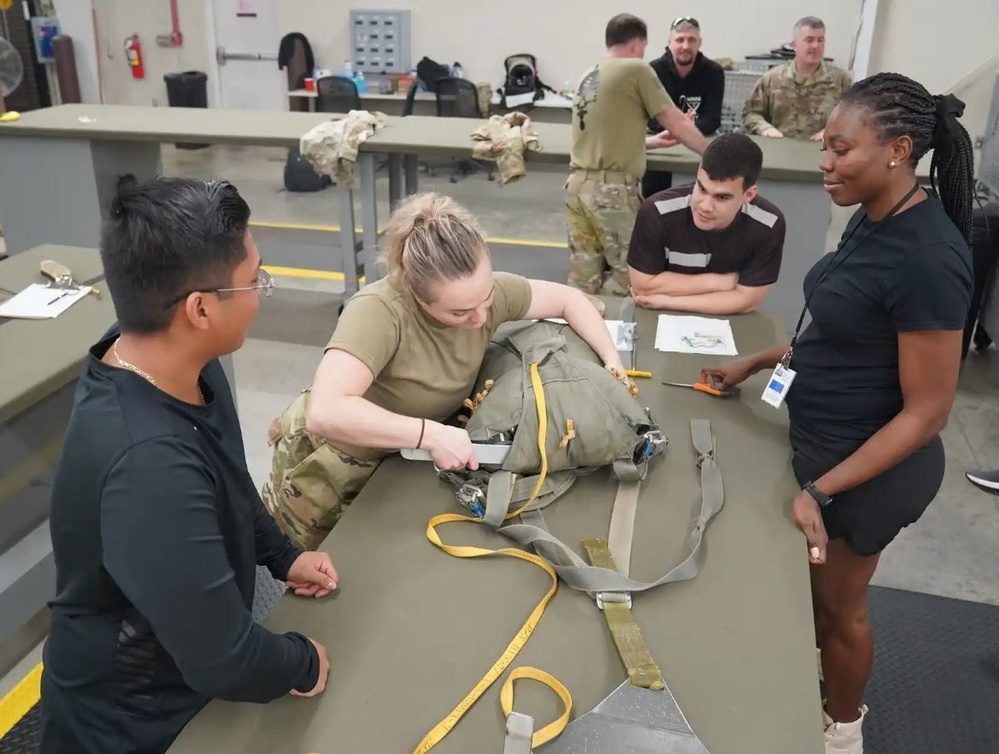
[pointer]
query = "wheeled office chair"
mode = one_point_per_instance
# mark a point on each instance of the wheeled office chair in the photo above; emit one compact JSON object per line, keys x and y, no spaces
{"x":336,"y":94}
{"x":459,"y":98}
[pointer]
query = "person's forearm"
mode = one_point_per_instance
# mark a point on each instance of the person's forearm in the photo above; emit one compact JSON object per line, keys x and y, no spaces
{"x":274,"y":550}
{"x":678,"y":284}
{"x":755,"y":123}
{"x":586,"y":321}
{"x":357,"y":421}
{"x":894,"y":442}
{"x":720,"y":302}
{"x":768,"y":359}
{"x":688,"y":134}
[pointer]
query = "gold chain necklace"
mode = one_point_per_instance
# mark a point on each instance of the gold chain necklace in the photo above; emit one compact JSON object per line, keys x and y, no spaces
{"x":127,"y":365}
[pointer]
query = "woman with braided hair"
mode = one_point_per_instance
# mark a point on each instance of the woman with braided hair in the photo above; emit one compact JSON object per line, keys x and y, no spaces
{"x":871,"y":380}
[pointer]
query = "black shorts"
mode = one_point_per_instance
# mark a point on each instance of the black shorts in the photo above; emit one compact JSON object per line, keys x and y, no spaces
{"x":872,"y":514}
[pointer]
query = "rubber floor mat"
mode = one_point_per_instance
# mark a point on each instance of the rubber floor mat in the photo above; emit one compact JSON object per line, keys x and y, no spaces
{"x":934,"y":688}
{"x":23,"y":737}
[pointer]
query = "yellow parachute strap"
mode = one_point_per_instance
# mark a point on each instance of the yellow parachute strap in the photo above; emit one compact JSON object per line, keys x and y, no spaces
{"x":440,"y":731}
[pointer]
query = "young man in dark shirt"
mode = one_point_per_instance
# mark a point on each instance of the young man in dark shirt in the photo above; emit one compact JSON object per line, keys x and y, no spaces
{"x":714,"y":247}
{"x":156,"y":525}
{"x":694,"y":82}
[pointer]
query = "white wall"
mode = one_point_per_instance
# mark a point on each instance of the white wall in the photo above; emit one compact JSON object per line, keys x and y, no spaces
{"x":567,"y":36}
{"x":100,"y":54}
{"x":940,"y":60}
{"x":480,"y":35}
{"x":118,"y":19}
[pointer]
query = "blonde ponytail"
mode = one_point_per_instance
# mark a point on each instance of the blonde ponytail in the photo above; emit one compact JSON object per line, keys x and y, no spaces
{"x":431,"y":237}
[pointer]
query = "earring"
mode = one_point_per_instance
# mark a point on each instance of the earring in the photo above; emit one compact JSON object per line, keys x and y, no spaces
{"x":891,"y":164}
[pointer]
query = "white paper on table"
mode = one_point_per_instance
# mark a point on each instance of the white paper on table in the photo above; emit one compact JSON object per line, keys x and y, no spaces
{"x":621,"y":332}
{"x":38,"y":301}
{"x":673,"y":330}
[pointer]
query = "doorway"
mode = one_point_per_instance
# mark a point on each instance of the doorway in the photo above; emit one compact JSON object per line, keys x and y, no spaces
{"x":246,"y":48}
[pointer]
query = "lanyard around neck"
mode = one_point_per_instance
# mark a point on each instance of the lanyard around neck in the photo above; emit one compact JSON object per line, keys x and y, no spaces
{"x":786,"y":361}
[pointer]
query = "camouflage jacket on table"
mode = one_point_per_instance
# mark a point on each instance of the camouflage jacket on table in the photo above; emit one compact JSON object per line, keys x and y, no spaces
{"x":798,"y":106}
{"x":331,"y":147}
{"x":504,"y":139}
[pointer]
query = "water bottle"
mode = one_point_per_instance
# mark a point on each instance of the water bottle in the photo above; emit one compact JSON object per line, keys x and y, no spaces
{"x":348,"y":68}
{"x":457,"y":71}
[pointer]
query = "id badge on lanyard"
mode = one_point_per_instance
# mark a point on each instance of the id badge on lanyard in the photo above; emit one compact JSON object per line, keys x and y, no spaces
{"x":778,"y":385}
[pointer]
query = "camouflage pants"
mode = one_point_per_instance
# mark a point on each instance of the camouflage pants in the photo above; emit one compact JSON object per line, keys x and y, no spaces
{"x":311,"y":482}
{"x":602,"y":209}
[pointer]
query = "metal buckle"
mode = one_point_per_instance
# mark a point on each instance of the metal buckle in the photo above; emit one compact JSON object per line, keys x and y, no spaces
{"x":651,"y":442}
{"x":473,"y":498}
{"x":614,"y":598}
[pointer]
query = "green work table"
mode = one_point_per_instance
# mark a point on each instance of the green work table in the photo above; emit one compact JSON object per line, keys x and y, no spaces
{"x":41,"y":360}
{"x":66,"y":160}
{"x":412,"y":629}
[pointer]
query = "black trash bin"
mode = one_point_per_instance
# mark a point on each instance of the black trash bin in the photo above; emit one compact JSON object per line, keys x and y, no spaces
{"x":187,"y":89}
{"x":984,"y":255}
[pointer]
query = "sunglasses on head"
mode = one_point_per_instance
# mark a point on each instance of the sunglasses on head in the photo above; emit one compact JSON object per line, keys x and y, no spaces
{"x":684,"y":19}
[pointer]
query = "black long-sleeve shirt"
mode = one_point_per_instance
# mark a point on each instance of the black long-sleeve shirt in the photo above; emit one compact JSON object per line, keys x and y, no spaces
{"x":157,"y":529}
{"x":705,"y":83}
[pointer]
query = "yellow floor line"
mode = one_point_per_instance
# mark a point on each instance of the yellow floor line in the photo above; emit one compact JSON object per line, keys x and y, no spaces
{"x":20,"y":699}
{"x":526,"y":242}
{"x":297,"y":226}
{"x":302,"y":272}
{"x":336,"y":229}
{"x":303,"y":226}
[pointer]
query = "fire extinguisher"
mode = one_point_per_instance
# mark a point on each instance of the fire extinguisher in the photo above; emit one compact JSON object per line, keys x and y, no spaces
{"x":133,"y":54}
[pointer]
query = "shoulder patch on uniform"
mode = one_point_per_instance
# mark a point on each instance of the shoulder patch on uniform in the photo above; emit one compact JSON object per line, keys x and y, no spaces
{"x":759,"y":214}
{"x":665,"y":206}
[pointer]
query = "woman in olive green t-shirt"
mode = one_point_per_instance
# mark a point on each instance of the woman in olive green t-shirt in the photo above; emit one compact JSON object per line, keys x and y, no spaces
{"x":405,"y":354}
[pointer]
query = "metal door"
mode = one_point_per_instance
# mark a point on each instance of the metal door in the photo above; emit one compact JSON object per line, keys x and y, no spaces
{"x":246,"y":47}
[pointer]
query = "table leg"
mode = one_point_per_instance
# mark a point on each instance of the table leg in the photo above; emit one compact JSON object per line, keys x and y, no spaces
{"x":348,"y":241}
{"x":412,"y":167}
{"x":395,"y":179}
{"x":56,"y":191}
{"x":807,"y":211}
{"x":369,"y":213}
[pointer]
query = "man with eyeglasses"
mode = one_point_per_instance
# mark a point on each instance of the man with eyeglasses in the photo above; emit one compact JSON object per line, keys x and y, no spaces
{"x":156,"y":525}
{"x":694,"y":82}
{"x":795,"y":99}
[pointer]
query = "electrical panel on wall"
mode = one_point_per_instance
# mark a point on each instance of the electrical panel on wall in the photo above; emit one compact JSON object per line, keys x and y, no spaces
{"x":380,"y":41}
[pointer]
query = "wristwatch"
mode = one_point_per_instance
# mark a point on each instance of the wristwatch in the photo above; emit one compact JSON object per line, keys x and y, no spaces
{"x":817,"y":495}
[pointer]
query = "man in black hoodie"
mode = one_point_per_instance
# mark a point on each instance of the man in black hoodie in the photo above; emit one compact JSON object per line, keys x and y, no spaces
{"x":695,"y":83}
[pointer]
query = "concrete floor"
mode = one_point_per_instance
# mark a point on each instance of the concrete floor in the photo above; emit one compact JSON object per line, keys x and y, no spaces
{"x":952,"y":551}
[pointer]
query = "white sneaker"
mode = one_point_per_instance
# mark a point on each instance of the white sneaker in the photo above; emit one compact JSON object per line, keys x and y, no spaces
{"x":845,"y":738}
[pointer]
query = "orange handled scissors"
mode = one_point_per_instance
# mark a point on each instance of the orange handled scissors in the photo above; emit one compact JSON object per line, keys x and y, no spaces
{"x":704,"y":388}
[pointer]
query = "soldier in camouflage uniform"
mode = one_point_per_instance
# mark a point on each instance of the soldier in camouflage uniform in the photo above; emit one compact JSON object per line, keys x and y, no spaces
{"x":610,"y":110}
{"x":402,"y":363}
{"x":311,"y":482}
{"x":795,"y":99}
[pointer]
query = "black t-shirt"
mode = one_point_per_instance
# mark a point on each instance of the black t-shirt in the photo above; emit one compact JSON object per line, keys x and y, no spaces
{"x":913,"y":274}
{"x":157,"y":529}
{"x":665,"y":239}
